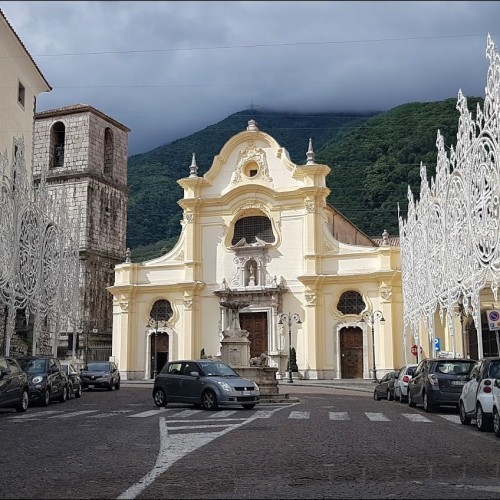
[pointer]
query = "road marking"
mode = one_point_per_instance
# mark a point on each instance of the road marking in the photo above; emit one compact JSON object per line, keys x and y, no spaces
{"x":109,"y":414}
{"x":377,"y":417}
{"x":264,"y":413}
{"x":415,"y":417}
{"x":338,"y":415}
{"x":208,"y":426}
{"x":34,"y":416}
{"x":175,"y":446}
{"x":452,"y":418}
{"x":299,"y":414}
{"x":73,"y":414}
{"x":222,"y":414}
{"x":149,"y":413}
{"x":188,"y":413}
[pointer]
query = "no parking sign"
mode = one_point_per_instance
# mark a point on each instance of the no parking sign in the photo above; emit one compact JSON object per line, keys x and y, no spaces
{"x":493,"y":319}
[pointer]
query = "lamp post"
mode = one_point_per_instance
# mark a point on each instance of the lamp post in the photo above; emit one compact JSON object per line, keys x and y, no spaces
{"x":289,"y":318}
{"x":369,"y":318}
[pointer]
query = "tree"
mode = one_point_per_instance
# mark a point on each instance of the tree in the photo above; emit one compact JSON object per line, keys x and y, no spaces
{"x":292,"y":361}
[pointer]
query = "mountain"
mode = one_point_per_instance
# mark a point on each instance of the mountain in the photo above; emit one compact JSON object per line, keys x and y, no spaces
{"x":374,"y":157}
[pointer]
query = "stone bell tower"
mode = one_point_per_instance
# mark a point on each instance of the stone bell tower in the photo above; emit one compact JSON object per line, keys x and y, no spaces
{"x":85,"y":152}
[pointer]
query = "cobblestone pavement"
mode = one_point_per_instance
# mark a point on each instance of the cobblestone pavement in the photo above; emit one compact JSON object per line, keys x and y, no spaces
{"x":332,"y":443}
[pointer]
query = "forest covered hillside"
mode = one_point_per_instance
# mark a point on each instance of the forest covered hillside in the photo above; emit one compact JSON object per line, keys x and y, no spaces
{"x":374,"y":157}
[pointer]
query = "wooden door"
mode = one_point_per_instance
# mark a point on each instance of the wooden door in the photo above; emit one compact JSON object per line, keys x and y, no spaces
{"x":159,"y":351}
{"x":351,"y":352}
{"x":256,"y":324}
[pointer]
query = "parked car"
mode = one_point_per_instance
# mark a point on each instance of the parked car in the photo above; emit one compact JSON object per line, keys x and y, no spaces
{"x":14,"y":387}
{"x":101,"y":374}
{"x":496,"y":408}
{"x":476,"y":400}
{"x":46,"y":378}
{"x":385,"y":388}
{"x":439,"y":382}
{"x":75,"y":385}
{"x":401,"y":383}
{"x":205,"y":383}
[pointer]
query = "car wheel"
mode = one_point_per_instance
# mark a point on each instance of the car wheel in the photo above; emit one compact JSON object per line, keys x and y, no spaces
{"x":375,"y":395}
{"x":411,"y":403}
{"x":425,"y":402}
{"x":110,"y":386}
{"x":78,"y":393}
{"x":159,"y":398}
{"x":248,"y":407}
{"x":70,"y":390}
{"x":464,"y":419}
{"x":209,"y":400}
{"x":481,"y":420}
{"x":24,"y":402}
{"x":396,"y":397}
{"x":64,"y":394}
{"x":403,"y":399}
{"x":46,"y":397}
{"x":117,"y":385}
{"x":390,"y":396}
{"x":496,"y":422}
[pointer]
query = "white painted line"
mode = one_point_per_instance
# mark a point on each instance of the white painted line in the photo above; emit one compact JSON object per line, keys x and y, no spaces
{"x":175,"y":446}
{"x":377,"y":417}
{"x":109,"y":414}
{"x":264,"y":413}
{"x":40,"y":414}
{"x":416,"y":417}
{"x":188,"y":413}
{"x":74,"y":414}
{"x":208,"y":426}
{"x":338,"y":415}
{"x":222,"y":414}
{"x":149,"y":413}
{"x":183,"y":421}
{"x":452,"y":418}
{"x":299,"y":414}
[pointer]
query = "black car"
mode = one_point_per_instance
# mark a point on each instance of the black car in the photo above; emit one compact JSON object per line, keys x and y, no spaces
{"x":14,"y":388}
{"x":46,"y":378}
{"x":101,"y":374}
{"x":439,"y":382}
{"x":75,"y":385}
{"x":385,"y":388}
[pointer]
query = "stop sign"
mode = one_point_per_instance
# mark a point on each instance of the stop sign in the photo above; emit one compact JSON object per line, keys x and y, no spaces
{"x":414,"y":349}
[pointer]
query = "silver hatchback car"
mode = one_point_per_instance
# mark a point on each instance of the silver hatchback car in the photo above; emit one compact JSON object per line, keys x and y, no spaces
{"x":205,"y":383}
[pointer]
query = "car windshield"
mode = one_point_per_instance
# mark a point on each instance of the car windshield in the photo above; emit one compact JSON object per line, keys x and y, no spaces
{"x":97,"y":367}
{"x":454,"y":367}
{"x":218,"y":369}
{"x":34,"y":365}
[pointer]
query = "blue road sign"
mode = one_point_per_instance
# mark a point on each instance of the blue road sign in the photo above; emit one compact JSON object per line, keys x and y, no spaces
{"x":437,"y":344}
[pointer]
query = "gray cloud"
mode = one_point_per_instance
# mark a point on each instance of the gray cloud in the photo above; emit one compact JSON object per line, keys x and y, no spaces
{"x":168,"y":69}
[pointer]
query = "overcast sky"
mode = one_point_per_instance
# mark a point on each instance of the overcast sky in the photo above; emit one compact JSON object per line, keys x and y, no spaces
{"x":168,"y":69}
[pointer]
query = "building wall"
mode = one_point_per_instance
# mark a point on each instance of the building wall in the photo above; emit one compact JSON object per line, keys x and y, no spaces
{"x":16,"y":118}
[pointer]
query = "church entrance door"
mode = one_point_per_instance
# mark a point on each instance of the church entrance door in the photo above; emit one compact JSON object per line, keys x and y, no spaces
{"x":256,"y":324}
{"x":351,"y":352}
{"x":159,"y":351}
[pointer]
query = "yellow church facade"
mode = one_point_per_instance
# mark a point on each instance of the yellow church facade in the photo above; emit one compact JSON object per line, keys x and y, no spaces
{"x":260,"y":241}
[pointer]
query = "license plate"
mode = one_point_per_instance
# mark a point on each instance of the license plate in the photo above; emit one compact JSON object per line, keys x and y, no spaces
{"x":247,"y":393}
{"x":457,"y":382}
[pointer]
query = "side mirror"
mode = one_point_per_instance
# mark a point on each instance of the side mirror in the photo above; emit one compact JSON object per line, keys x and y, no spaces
{"x":194,"y":374}
{"x":54,"y":369}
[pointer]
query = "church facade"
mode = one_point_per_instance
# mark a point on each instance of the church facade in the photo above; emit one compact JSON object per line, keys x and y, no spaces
{"x":259,"y":240}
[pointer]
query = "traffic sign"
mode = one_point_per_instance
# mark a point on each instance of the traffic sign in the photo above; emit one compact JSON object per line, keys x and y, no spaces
{"x":437,"y":344}
{"x":414,"y":349}
{"x":493,"y":319}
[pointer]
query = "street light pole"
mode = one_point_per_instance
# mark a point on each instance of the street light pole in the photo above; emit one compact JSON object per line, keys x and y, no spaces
{"x":369,"y":318}
{"x":289,"y":318}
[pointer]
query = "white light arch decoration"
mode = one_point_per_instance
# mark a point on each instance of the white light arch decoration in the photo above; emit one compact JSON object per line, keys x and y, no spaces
{"x":39,"y":256}
{"x":450,"y":244}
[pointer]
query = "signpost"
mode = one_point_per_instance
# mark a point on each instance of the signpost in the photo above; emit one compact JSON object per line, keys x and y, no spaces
{"x":493,"y":316}
{"x":437,"y":344}
{"x":414,"y":349}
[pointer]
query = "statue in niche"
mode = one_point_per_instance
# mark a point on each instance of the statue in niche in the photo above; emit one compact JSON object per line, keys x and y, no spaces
{"x":251,"y":276}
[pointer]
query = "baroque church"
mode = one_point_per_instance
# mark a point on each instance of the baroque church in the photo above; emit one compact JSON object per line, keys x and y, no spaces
{"x":258,"y":237}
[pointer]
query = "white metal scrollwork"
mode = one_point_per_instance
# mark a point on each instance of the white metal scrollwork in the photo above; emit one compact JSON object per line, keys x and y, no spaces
{"x":450,"y":244}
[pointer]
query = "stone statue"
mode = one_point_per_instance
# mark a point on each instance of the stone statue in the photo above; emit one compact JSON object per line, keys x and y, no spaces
{"x":235,"y":308}
{"x":259,"y":361}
